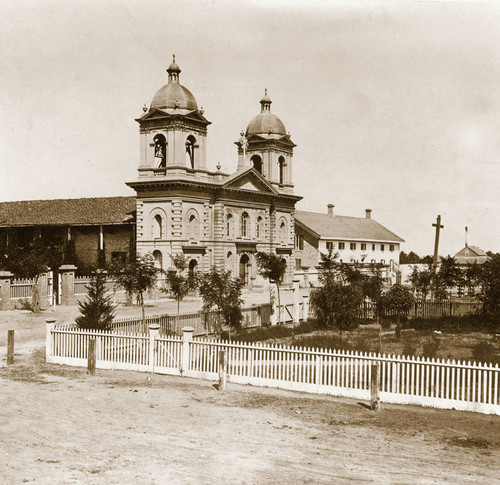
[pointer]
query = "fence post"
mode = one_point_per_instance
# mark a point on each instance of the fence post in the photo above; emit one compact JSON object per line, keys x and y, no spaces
{"x":187,"y":336}
{"x":375,"y":387}
{"x":305,"y":308}
{"x":10,"y":347}
{"x":91,"y":357}
{"x":67,"y":275}
{"x":222,"y":370}
{"x":5,"y":280}
{"x":51,"y":323}
{"x":296,"y":282}
{"x":154,"y":330}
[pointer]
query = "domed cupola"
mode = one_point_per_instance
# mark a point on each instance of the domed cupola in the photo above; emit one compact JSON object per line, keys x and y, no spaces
{"x":173,"y":131}
{"x":174,"y":96}
{"x":267,"y":147}
{"x":265,"y":123}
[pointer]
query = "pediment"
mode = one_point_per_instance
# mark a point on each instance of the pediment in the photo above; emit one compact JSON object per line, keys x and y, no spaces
{"x":157,"y":113}
{"x":249,"y":179}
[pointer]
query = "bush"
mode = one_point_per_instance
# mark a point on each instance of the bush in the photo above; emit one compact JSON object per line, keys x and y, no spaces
{"x":25,"y":304}
{"x":485,"y":352}
{"x":410,"y":348}
{"x":430,"y":348}
{"x":332,"y":342}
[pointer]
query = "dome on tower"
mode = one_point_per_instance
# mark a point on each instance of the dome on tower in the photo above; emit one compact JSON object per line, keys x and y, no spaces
{"x":173,"y":95}
{"x":265,"y":122}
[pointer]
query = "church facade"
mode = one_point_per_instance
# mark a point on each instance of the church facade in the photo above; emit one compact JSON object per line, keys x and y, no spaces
{"x":217,"y":220}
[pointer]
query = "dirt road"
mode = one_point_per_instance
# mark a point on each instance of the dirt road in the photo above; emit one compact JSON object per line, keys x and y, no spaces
{"x":61,"y":426}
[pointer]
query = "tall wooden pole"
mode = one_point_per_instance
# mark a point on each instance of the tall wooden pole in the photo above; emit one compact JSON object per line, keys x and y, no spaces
{"x":438,"y":227}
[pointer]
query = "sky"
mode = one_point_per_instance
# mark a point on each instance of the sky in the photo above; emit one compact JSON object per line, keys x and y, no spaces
{"x":394,"y":106}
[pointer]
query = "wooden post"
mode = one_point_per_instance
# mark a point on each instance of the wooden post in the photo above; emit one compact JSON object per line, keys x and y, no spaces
{"x":187,"y":337}
{"x":375,"y":387}
{"x":51,"y":323}
{"x":91,"y":357}
{"x":154,"y":331}
{"x":10,"y":347}
{"x":222,"y":370}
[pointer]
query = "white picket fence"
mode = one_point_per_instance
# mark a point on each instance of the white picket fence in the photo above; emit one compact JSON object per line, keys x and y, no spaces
{"x":428,"y":382}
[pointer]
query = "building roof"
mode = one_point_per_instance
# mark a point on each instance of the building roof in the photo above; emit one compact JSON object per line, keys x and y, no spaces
{"x":57,"y":212}
{"x":265,"y":123}
{"x":471,"y":254}
{"x":327,"y":226}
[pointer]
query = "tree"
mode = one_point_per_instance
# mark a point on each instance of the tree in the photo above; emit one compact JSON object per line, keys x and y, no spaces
{"x":137,"y":277}
{"x":472,"y":277}
{"x":273,"y":268}
{"x":222,"y":292}
{"x":448,"y":274}
{"x":399,"y":301}
{"x":179,"y":285}
{"x":30,"y":262}
{"x":97,"y":310}
{"x":490,"y":287}
{"x":336,"y":303}
{"x":410,"y":258}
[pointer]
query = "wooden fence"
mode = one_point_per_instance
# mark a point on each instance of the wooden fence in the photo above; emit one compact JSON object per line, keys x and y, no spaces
{"x":21,"y":288}
{"x":427,"y":382}
{"x":427,"y":309}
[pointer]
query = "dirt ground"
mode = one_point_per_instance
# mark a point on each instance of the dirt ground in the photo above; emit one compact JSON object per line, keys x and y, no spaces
{"x":62,"y":426}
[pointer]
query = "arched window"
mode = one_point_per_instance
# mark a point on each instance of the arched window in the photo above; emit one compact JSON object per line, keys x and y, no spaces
{"x":244,"y":268}
{"x":257,"y":163}
{"x":245,"y":223}
{"x":282,"y":163}
{"x":192,"y":268}
{"x":158,"y":257}
{"x":283,"y":230}
{"x":190,"y":146}
{"x":157,"y":227}
{"x":160,"y":151}
{"x":258,"y":227}
{"x":192,"y":225}
{"x":229,"y":225}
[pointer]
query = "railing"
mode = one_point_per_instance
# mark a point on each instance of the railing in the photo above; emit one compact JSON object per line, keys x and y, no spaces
{"x":427,"y":382}
{"x":21,"y":288}
{"x":426,"y":309}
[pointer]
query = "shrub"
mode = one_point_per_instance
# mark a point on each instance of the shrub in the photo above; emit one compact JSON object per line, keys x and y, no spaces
{"x":332,"y":342}
{"x":409,"y":348}
{"x":430,"y":348}
{"x":25,"y":304}
{"x":485,"y":352}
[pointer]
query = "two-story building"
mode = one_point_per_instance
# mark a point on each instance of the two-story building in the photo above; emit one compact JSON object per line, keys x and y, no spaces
{"x":360,"y":240}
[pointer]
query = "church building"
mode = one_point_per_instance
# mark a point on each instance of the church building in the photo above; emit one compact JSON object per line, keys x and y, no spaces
{"x":217,"y":220}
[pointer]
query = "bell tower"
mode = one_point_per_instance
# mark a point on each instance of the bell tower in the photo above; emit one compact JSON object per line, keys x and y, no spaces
{"x":173,"y":131}
{"x":268,"y":148}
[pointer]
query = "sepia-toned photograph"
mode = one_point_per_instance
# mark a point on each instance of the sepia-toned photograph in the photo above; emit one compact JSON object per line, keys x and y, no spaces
{"x":249,"y":243}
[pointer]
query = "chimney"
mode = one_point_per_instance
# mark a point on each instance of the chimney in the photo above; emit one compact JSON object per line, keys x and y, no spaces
{"x":330,"y":209}
{"x":368,"y":213}
{"x":466,"y":238}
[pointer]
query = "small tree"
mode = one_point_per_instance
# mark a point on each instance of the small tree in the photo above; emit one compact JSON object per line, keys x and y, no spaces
{"x":490,"y":287}
{"x":222,"y":292}
{"x":97,"y":310}
{"x":336,"y":303}
{"x":137,"y":277}
{"x":179,"y":285}
{"x":399,"y":301}
{"x":30,"y":262}
{"x":273,"y":268}
{"x":449,"y":273}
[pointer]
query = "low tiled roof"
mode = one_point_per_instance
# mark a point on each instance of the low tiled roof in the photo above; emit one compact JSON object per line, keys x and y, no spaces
{"x":342,"y":227}
{"x":89,"y":211}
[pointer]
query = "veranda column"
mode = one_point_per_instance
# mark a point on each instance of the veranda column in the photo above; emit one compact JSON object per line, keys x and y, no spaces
{"x":5,"y":278}
{"x":67,"y":275}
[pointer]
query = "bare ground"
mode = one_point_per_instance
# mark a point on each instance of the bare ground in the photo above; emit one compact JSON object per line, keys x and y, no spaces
{"x":62,"y":426}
